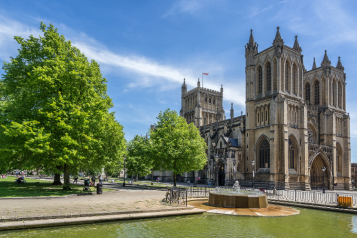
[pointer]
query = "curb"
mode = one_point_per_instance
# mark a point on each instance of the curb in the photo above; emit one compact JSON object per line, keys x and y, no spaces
{"x":56,"y":197}
{"x":318,"y":207}
{"x":31,"y":218}
{"x":85,"y":220}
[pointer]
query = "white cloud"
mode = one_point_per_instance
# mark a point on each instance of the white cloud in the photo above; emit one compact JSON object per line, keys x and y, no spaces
{"x":141,"y":71}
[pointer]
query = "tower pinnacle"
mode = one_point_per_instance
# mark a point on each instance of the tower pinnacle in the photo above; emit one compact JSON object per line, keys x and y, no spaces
{"x":296,"y":45}
{"x":325,"y":62}
{"x":314,"y":64}
{"x":339,"y":64}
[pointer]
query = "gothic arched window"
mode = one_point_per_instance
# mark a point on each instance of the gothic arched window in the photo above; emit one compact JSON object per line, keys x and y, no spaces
{"x":307,"y":92}
{"x":264,"y":154}
{"x":291,"y":155}
{"x":339,"y":90}
{"x":317,"y":93}
{"x":205,"y":99}
{"x":260,"y":80}
{"x":214,"y":101}
{"x":333,"y":92}
{"x":294,"y":79}
{"x":209,"y":100}
{"x":287,"y":76}
{"x":268,"y":76}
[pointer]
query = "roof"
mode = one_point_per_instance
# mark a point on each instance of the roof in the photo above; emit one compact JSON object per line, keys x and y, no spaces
{"x":234,"y":142}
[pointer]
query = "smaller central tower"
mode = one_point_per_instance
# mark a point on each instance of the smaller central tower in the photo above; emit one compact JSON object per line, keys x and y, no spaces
{"x":201,"y":105}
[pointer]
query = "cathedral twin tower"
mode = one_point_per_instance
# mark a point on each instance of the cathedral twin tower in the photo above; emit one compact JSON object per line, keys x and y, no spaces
{"x":295,"y":123}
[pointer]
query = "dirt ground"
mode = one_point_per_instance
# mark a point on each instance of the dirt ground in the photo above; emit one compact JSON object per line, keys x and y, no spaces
{"x":122,"y":200}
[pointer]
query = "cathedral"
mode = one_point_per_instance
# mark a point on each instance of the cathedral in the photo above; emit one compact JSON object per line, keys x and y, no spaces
{"x":295,"y":133}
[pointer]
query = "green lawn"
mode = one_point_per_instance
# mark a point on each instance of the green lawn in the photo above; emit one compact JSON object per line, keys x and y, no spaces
{"x":34,"y":188}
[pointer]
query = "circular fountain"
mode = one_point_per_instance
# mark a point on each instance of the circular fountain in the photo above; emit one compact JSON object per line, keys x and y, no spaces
{"x":237,"y":198}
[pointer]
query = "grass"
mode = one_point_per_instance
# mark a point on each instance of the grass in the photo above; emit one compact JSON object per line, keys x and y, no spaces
{"x":35,"y":188}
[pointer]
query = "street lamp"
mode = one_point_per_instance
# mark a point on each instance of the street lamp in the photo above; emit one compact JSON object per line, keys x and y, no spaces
{"x":124,"y":172}
{"x":253,"y":163}
{"x":323,"y":170}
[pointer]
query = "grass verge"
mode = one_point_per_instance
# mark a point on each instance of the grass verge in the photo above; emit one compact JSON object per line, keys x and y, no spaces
{"x":37,"y":188}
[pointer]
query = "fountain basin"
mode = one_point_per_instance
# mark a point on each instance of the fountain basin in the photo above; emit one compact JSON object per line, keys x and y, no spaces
{"x":237,"y":201}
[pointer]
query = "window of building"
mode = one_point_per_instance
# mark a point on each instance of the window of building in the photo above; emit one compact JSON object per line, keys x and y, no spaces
{"x":260,"y":80}
{"x":205,"y":99}
{"x":209,"y":100}
{"x":333,"y":92}
{"x":264,"y":154}
{"x":291,"y":155}
{"x":220,"y":144}
{"x":287,"y":76}
{"x":214,"y":101}
{"x":268,"y":76}
{"x":294,"y":79}
{"x":307,"y":92}
{"x":317,"y":93}
{"x":339,"y":90}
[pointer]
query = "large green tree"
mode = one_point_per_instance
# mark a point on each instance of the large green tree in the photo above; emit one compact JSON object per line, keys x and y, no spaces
{"x":139,"y":160}
{"x":56,"y":114}
{"x":177,"y":146}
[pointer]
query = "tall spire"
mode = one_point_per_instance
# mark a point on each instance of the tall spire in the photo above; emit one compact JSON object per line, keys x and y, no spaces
{"x":232,"y":111}
{"x":252,"y":45}
{"x":251,"y":49}
{"x":198,"y":83}
{"x":184,"y":86}
{"x":296,"y":45}
{"x":277,"y":35}
{"x":251,"y":42}
{"x":278,"y":43}
{"x":325,"y":62}
{"x":314,"y":64}
{"x":339,"y":64}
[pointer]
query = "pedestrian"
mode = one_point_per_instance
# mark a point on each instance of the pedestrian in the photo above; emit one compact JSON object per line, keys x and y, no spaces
{"x":93,"y":180}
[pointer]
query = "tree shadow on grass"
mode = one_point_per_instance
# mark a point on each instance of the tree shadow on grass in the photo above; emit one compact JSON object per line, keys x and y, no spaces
{"x":34,"y":188}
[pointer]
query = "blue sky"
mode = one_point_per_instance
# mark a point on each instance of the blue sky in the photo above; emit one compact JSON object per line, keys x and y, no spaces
{"x":146,"y":48}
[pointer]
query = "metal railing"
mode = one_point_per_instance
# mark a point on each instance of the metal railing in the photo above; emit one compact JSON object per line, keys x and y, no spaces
{"x":313,"y":197}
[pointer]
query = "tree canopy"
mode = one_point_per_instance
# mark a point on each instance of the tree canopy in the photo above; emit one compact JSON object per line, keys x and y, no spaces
{"x":139,"y":160}
{"x":56,"y":112}
{"x":176,"y":145}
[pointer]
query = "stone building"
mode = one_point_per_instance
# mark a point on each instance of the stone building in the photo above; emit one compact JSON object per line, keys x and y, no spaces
{"x":295,"y":124}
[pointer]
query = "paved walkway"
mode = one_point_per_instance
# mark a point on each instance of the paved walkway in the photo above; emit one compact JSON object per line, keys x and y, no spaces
{"x":124,"y":199}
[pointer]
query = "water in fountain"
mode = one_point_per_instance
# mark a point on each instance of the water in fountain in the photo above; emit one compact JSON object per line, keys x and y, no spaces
{"x":236,"y":190}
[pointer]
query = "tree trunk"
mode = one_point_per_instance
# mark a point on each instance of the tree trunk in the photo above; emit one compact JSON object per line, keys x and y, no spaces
{"x":57,"y":178}
{"x":174,"y":179}
{"x":66,"y":185}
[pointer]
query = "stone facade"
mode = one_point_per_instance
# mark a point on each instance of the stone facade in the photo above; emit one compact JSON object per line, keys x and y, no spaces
{"x":295,"y":123}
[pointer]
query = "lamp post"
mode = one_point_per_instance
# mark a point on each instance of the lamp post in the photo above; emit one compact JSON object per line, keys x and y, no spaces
{"x":323,"y":171}
{"x":124,"y":172}
{"x":253,"y":163}
{"x":216,"y":175}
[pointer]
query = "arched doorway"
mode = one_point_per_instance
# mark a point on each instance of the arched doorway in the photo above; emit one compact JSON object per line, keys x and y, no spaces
{"x":221,"y":175}
{"x":316,"y":174}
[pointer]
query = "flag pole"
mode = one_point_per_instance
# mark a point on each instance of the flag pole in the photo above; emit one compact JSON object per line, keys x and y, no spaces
{"x":202,"y":79}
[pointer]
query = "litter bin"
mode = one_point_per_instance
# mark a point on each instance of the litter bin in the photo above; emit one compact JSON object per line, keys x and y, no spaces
{"x":99,"y":188}
{"x":86,"y":183}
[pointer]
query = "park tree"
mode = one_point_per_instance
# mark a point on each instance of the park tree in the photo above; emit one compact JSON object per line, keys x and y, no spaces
{"x":177,"y":146}
{"x":139,"y":160}
{"x":56,"y":113}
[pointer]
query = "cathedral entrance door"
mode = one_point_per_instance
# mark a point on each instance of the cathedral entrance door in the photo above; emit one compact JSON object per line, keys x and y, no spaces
{"x":221,"y":176}
{"x":317,"y":176}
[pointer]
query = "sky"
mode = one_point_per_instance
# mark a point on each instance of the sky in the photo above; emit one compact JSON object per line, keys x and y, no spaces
{"x":146,"y":48}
